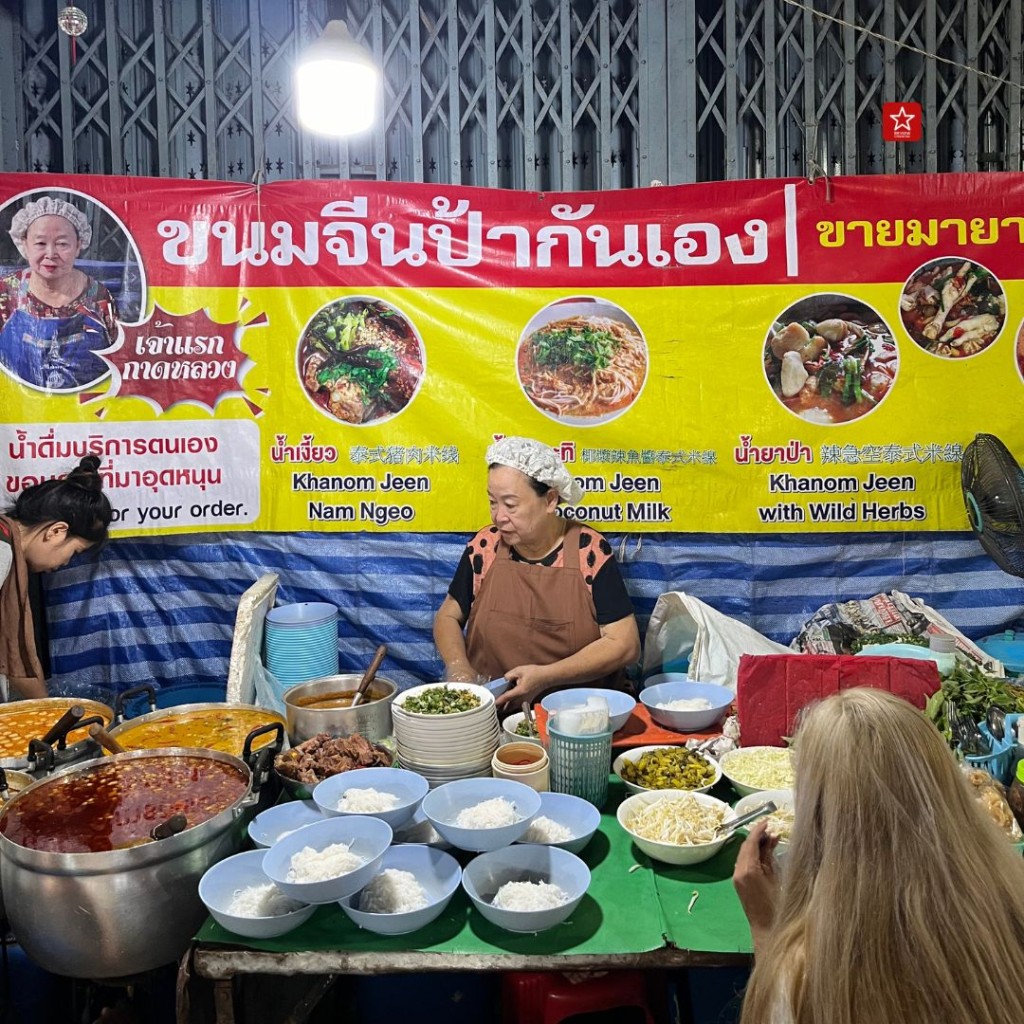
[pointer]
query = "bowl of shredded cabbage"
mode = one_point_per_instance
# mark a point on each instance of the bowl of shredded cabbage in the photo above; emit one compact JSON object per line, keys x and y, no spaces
{"x":675,"y":826}
{"x":780,"y":821}
{"x":755,"y":769}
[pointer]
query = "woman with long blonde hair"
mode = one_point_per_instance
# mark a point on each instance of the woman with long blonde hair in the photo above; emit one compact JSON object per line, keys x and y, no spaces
{"x":900,"y":900}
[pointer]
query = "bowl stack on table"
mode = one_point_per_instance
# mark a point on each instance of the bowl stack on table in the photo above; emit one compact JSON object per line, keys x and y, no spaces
{"x":446,"y":747}
{"x":301,"y":641}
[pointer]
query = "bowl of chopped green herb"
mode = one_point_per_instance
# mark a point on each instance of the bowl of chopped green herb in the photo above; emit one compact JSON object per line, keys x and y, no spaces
{"x":449,"y":699}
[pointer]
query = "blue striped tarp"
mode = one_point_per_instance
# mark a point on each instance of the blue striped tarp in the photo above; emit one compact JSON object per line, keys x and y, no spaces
{"x":162,"y":610}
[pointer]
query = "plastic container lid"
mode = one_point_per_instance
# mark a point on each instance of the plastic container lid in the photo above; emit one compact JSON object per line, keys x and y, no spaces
{"x":1008,"y":647}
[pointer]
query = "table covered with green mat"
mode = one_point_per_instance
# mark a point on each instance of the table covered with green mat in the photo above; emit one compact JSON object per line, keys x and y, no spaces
{"x":637,"y":913}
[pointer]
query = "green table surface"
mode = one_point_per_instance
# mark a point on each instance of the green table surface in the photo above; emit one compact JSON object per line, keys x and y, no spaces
{"x":634,"y":905}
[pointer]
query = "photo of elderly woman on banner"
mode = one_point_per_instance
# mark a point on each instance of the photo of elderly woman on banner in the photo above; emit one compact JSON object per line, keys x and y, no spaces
{"x":57,"y":313}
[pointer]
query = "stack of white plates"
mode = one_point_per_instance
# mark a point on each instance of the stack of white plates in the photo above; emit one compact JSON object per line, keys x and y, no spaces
{"x":443,"y":748}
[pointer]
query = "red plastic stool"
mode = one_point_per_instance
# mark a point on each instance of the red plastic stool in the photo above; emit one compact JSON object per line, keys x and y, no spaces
{"x":535,"y":997}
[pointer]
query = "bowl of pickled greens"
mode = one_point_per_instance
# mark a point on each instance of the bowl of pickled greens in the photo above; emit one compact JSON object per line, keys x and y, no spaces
{"x":442,"y":699}
{"x":643,"y":769}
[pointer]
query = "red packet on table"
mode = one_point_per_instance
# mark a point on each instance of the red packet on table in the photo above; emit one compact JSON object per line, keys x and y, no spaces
{"x":772,"y":688}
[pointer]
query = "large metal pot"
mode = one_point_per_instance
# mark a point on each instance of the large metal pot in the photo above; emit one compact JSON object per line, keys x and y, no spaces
{"x":25,"y":720}
{"x":117,"y":912}
{"x":144,"y":732}
{"x":11,"y":782}
{"x":371,"y":718}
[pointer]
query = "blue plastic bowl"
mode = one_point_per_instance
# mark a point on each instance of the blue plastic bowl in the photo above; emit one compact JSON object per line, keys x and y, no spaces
{"x":266,"y":828}
{"x":439,"y":874}
{"x":486,"y":874}
{"x":620,"y":705}
{"x":409,"y":787}
{"x":442,"y":807}
{"x":579,"y":816}
{"x":666,"y":677}
{"x":368,"y":838}
{"x":218,"y":885}
{"x":686,"y":721}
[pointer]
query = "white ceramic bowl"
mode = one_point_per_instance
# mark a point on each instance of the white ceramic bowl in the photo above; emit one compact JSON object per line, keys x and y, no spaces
{"x":486,"y":874}
{"x":439,"y":874}
{"x":672,"y":853}
{"x":218,"y":886}
{"x":635,"y":753}
{"x":783,"y":799}
{"x":368,"y":838}
{"x":508,"y":727}
{"x":409,"y":787}
{"x":485,"y":695}
{"x":744,"y":788}
{"x":268,"y":826}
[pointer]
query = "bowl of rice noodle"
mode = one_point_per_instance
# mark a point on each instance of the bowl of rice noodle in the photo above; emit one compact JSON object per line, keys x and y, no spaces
{"x":412,"y":888}
{"x":391,"y":794}
{"x":526,"y":888}
{"x":328,"y":860}
{"x":481,"y":814}
{"x":780,"y":821}
{"x":240,"y":897}
{"x":675,"y":826}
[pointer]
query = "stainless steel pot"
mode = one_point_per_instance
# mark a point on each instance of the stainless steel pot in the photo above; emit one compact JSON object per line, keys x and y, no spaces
{"x":120,"y":912}
{"x":23,"y":720}
{"x":123,"y":732}
{"x":11,"y":782}
{"x":371,"y":718}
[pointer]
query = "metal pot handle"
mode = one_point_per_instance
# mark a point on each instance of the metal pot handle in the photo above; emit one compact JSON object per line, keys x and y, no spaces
{"x":260,"y":761}
{"x":135,"y":691}
{"x":4,"y":795}
{"x":58,"y":732}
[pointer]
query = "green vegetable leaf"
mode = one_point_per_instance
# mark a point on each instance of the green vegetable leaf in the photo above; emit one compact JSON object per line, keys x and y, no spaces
{"x":586,"y":347}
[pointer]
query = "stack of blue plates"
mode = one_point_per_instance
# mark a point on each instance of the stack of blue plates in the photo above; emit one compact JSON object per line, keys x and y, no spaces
{"x":302,"y":641}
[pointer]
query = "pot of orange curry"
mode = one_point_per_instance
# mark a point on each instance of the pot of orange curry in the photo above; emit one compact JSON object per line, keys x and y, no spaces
{"x":81,"y":839}
{"x":213,"y":726}
{"x":25,"y":720}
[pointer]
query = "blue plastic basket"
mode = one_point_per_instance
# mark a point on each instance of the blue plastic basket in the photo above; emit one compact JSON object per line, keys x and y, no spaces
{"x":580,"y":764}
{"x":997,"y":764}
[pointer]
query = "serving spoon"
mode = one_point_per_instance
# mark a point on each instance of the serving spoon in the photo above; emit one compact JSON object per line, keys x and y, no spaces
{"x":728,"y":827}
{"x":368,"y":675}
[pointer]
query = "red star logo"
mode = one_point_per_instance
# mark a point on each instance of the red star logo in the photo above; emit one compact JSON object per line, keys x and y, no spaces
{"x":901,"y":122}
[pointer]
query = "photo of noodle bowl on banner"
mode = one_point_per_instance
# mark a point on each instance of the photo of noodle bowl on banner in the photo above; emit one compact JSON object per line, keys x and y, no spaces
{"x":360,"y":360}
{"x":582,"y":361}
{"x":830,"y":359}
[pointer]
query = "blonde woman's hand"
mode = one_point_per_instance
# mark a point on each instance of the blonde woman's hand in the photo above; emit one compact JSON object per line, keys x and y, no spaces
{"x":757,"y":881}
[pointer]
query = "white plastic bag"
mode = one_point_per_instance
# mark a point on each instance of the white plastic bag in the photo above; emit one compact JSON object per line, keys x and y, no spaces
{"x":681,"y":623}
{"x":269,"y":691}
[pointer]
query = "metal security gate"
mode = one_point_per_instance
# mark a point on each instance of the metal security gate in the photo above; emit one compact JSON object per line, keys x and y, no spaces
{"x":548,"y":94}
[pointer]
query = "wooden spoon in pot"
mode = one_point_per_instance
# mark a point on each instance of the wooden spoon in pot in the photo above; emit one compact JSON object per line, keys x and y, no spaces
{"x":105,"y":740}
{"x":369,"y":674}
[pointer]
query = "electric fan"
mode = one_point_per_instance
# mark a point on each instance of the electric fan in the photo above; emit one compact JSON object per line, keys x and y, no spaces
{"x":993,"y":486}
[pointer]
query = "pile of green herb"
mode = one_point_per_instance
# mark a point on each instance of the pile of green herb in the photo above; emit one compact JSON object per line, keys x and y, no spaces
{"x":369,"y":369}
{"x":441,"y":700}
{"x":586,"y":347}
{"x":972,"y":692}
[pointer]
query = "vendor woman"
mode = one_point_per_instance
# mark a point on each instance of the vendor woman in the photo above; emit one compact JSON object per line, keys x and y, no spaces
{"x":540,"y":598}
{"x":46,"y":527}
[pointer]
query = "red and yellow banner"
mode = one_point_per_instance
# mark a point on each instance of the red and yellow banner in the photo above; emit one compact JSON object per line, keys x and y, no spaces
{"x":733,"y":357}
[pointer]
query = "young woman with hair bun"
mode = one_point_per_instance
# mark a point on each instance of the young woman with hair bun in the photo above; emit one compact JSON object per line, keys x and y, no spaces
{"x":47,"y":525}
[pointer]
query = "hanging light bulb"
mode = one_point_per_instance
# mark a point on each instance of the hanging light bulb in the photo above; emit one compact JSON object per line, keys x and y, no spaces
{"x":336,"y":84}
{"x":72,"y":20}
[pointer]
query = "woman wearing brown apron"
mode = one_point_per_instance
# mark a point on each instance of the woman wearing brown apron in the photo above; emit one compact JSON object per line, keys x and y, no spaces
{"x":536,"y":599}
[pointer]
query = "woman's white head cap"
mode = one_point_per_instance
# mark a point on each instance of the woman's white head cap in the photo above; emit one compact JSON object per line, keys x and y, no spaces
{"x":49,"y":206}
{"x":538,"y":461}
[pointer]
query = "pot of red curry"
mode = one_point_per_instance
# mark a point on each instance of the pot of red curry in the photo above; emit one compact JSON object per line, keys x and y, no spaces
{"x":79,"y":843}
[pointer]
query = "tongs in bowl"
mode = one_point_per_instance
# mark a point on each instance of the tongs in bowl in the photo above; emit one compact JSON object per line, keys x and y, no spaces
{"x":728,"y":827}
